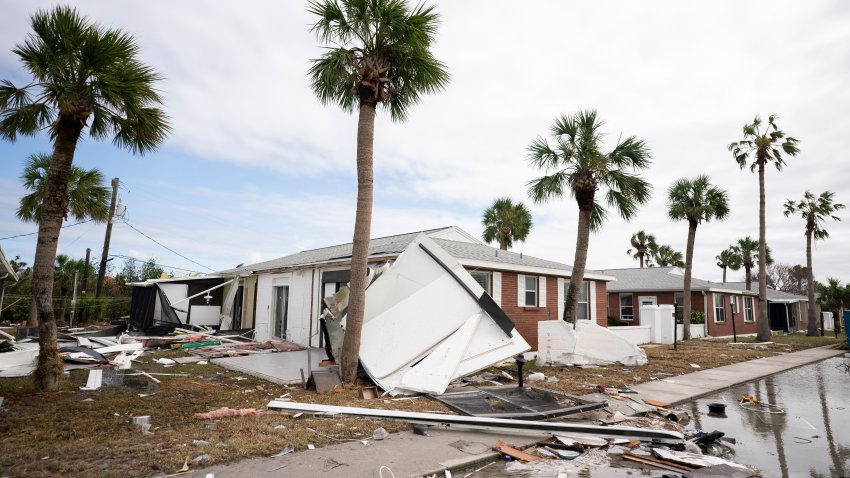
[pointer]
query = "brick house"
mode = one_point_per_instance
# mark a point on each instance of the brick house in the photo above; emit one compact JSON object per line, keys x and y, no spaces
{"x":786,"y":311}
{"x":282,"y":298}
{"x":720,"y":303}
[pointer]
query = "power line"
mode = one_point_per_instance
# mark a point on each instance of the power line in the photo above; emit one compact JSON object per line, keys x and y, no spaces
{"x":36,"y":232}
{"x":166,"y":247}
{"x":121,"y":256}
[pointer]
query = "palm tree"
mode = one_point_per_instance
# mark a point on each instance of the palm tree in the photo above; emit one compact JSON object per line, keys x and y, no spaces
{"x":831,"y":296}
{"x":84,"y":78}
{"x":88,"y":197}
{"x":729,"y":259}
{"x":643,"y":245}
{"x":379,"y":55}
{"x":506,"y":221}
{"x":665,"y":256}
{"x":576,"y":165}
{"x":746,"y":252}
{"x":763,"y":144}
{"x":814,"y":210}
{"x":695,"y":201}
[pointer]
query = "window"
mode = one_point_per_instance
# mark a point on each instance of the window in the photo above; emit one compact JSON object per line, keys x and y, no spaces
{"x":484,"y":279}
{"x":627,"y":311}
{"x":679,"y":301}
{"x":583,"y":307}
{"x":719,"y":307}
{"x":748,"y":309}
{"x":531,"y":291}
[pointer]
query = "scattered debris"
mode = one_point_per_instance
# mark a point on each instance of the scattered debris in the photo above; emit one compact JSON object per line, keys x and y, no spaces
{"x":529,"y":403}
{"x":505,"y":449}
{"x":589,"y":343}
{"x":380,"y":434}
{"x":286,"y":450}
{"x":94,"y":381}
{"x":227,"y":412}
{"x":472,"y":448}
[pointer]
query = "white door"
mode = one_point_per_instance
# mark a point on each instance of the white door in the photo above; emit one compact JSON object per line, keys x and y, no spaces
{"x":647,"y":300}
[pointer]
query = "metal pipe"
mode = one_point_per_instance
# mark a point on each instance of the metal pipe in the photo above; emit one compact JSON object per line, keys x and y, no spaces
{"x":500,"y":424}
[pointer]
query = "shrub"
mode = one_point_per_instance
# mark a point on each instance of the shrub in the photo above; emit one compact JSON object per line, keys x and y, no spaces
{"x":697,"y":317}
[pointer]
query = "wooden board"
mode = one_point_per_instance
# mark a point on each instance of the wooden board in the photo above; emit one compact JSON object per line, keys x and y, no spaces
{"x":655,"y":403}
{"x":506,"y":449}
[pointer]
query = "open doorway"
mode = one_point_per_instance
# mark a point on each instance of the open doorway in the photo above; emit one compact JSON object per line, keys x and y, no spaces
{"x":281,"y":302}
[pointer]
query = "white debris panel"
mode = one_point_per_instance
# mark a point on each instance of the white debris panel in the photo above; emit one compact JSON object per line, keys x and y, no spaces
{"x":588,"y":344}
{"x":428,"y":322}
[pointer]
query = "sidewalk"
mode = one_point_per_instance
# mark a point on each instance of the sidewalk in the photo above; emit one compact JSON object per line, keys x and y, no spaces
{"x":687,"y":387}
{"x":406,"y":454}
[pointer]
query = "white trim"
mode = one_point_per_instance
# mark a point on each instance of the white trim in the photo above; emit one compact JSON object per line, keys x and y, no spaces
{"x":497,"y":288}
{"x":561,"y":284}
{"x":520,"y":290}
{"x":541,"y":291}
{"x":653,"y":297}
{"x":530,"y":269}
{"x":591,"y":300}
{"x":441,"y":233}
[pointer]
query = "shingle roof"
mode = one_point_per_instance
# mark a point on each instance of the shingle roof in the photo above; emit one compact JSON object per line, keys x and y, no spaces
{"x":393,"y":245}
{"x":380,"y":246}
{"x":772,"y":294}
{"x":653,"y":279}
{"x":479,"y":252}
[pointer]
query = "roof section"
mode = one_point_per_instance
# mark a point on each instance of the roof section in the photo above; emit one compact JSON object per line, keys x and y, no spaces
{"x":479,"y":252}
{"x":772,"y":294}
{"x":657,"y":279}
{"x":378,"y":247}
{"x":7,"y":272}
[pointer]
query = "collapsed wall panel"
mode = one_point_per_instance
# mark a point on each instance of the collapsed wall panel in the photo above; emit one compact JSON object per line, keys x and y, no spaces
{"x":587,"y":344}
{"x":427,"y":322}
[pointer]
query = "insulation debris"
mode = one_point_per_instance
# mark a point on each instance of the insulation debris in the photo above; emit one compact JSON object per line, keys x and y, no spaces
{"x":587,"y":344}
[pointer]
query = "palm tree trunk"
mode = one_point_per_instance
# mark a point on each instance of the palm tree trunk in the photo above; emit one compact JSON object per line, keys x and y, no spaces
{"x":689,"y":264}
{"x":49,"y":369}
{"x":763,"y":325}
{"x":811,"y":326}
{"x":641,"y":260}
{"x":748,"y":274}
{"x":724,"y":274}
{"x":360,"y":242}
{"x":585,"y":206}
{"x":503,"y":244}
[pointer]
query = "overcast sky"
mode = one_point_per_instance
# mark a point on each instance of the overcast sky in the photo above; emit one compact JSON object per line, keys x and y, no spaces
{"x":257,"y":168}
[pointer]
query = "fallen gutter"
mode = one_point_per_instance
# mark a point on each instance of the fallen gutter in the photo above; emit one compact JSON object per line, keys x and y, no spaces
{"x":495,"y":424}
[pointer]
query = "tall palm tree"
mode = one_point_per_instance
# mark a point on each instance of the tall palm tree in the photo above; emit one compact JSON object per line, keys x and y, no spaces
{"x":746,"y":252}
{"x":506,"y":221}
{"x":728,"y":259}
{"x":85,"y":78}
{"x":88,"y":197}
{"x":379,"y":54}
{"x":814,"y":210}
{"x":666,"y":256}
{"x":763,"y":144}
{"x":576,"y":165}
{"x":643,"y":245}
{"x":695,"y":201}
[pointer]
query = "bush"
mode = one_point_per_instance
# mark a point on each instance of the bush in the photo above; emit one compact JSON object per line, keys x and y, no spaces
{"x":697,"y":317}
{"x":614,"y":322}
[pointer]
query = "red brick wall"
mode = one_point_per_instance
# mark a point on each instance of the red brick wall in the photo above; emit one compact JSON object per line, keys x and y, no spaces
{"x":719,"y":329}
{"x":661,"y":298}
{"x":602,"y":303}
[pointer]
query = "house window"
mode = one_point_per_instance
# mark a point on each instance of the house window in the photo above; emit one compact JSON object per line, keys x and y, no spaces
{"x":583,"y":306}
{"x":627,"y":311}
{"x":531,"y":291}
{"x":719,"y":308}
{"x":485,"y":280}
{"x":748,"y":309}
{"x":679,"y":301}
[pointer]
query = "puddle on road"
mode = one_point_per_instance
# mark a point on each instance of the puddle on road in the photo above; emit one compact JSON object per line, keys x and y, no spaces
{"x":811,"y":439}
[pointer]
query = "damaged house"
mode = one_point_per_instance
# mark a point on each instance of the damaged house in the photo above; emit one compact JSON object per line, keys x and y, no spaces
{"x":283,"y":298}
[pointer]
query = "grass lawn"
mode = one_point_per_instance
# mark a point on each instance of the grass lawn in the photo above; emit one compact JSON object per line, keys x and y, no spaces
{"x":65,"y":434}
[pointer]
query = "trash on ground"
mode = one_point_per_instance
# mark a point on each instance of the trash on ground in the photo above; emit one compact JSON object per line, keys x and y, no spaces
{"x":227,"y":412}
{"x":286,"y":450}
{"x":529,"y":403}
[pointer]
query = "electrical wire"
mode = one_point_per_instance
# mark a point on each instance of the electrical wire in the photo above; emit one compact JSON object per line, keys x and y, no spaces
{"x":166,"y":247}
{"x":36,"y":232}
{"x":122,"y":256}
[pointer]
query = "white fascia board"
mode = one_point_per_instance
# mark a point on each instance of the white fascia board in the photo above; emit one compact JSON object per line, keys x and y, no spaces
{"x":733,"y":291}
{"x":500,"y":266}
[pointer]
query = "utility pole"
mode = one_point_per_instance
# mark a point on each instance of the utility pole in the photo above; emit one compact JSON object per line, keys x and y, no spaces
{"x":85,"y":282}
{"x":102,"y":272}
{"x":74,"y":299}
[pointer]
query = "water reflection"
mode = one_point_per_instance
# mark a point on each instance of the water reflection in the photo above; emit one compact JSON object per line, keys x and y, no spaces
{"x":790,"y":444}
